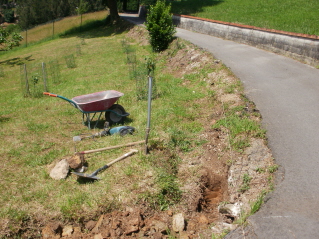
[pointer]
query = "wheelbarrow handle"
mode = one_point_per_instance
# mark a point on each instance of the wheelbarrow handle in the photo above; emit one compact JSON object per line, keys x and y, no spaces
{"x":61,"y":97}
{"x":49,"y":94}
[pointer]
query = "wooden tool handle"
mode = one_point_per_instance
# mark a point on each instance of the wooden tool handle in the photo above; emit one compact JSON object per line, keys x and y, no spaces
{"x":133,"y":151}
{"x":112,"y":147}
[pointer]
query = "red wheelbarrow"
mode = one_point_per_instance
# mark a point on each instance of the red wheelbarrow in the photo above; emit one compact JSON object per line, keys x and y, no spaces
{"x":98,"y":102}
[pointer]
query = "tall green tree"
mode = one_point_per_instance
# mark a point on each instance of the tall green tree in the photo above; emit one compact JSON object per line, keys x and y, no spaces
{"x":112,"y":5}
{"x":34,"y":12}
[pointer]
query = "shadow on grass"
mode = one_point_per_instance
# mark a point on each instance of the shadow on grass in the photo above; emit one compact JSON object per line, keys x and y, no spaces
{"x":16,"y":61}
{"x":4,"y":119}
{"x":98,"y":28}
{"x":99,"y":124}
{"x":83,"y":180}
{"x":189,"y":7}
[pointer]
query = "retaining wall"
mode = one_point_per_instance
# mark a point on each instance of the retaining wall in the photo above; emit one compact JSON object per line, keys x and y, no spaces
{"x":302,"y":47}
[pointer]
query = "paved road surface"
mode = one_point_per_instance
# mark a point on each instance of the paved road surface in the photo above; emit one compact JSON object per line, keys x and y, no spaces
{"x":287,"y":94}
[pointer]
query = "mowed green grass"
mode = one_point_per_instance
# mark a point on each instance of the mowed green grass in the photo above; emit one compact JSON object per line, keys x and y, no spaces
{"x":34,"y":132}
{"x":287,"y":15}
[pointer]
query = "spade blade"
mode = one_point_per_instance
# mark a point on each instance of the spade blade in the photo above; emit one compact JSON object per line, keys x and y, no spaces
{"x":86,"y":175}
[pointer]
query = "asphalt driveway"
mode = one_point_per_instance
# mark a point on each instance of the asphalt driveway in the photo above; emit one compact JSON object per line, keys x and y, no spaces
{"x":287,"y":94}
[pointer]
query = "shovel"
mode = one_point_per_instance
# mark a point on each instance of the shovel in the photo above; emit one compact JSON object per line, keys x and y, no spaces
{"x":93,"y":175}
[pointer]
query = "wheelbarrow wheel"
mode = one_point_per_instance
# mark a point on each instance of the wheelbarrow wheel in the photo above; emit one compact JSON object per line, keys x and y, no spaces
{"x":115,"y":115}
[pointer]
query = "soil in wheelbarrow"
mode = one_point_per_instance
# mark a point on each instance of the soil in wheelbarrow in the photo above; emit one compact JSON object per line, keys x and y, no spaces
{"x":216,"y":192}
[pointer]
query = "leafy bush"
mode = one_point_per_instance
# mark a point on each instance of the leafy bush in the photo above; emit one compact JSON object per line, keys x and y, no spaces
{"x":13,"y":28}
{"x":8,"y":41}
{"x":159,"y":24}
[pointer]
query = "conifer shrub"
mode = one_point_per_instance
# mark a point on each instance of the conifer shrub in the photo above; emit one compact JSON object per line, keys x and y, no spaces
{"x":159,"y":24}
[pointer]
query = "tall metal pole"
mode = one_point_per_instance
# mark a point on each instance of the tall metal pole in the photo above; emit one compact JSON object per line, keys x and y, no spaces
{"x":81,"y":24}
{"x":26,"y":38}
{"x":148,"y":127}
{"x":27,"y":89}
{"x":53,"y":29}
{"x":44,"y":76}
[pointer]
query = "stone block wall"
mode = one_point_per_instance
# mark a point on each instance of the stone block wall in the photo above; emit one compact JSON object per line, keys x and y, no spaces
{"x":302,"y":47}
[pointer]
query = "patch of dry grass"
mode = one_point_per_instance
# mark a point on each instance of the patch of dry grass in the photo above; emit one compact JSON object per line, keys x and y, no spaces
{"x":55,"y":28}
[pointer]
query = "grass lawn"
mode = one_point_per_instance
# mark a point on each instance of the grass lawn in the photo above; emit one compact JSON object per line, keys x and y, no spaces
{"x":287,"y":15}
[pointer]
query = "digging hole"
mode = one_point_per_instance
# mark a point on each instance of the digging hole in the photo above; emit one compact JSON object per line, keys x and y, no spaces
{"x":214,"y":188}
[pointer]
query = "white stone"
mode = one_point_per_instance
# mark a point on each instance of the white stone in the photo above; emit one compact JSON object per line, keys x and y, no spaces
{"x":61,"y":170}
{"x":178,"y":222}
{"x":67,"y":231}
{"x":231,"y":209}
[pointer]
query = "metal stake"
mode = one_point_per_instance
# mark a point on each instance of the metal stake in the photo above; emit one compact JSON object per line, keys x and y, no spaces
{"x":150,"y":82}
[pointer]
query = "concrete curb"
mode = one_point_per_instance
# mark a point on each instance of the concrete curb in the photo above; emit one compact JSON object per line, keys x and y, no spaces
{"x":302,"y":47}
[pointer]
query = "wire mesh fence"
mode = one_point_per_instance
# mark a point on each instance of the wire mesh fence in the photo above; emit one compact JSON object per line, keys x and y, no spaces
{"x":130,"y":58}
{"x":141,"y":74}
{"x":39,"y":77}
{"x":78,"y":50}
{"x":33,"y":79}
{"x":70,"y":61}
{"x":53,"y":72}
{"x":140,"y":71}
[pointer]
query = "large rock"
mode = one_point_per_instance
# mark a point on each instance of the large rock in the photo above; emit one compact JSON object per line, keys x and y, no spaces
{"x":61,"y":170}
{"x":67,"y":231}
{"x":76,"y":161}
{"x":230,"y":209}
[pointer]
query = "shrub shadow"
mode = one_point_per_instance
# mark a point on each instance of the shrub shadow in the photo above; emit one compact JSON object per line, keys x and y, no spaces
{"x":16,"y":61}
{"x":102,"y":28}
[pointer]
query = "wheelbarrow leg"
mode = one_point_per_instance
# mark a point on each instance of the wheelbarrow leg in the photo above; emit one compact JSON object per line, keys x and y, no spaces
{"x":83,"y":122}
{"x":88,"y":119}
{"x":98,"y":119}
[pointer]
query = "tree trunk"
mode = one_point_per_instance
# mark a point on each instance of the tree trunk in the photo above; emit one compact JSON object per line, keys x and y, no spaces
{"x":112,"y":5}
{"x":124,"y":5}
